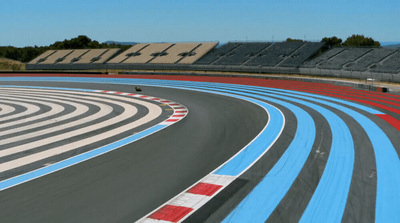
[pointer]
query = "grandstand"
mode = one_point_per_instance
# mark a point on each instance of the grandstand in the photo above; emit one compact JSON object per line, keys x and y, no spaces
{"x":198,"y":53}
{"x":217,"y":53}
{"x":89,"y":56}
{"x":129,"y":53}
{"x":370,"y":59}
{"x":273,"y":55}
{"x":390,"y":65}
{"x":261,"y":57}
{"x":339,"y":60}
{"x":324,"y":57}
{"x":149,"y":52}
{"x":55,"y":57}
{"x":301,"y":54}
{"x":42,"y":57}
{"x":105,"y":56}
{"x":242,"y":53}
{"x":175,"y":53}
{"x":73,"y":56}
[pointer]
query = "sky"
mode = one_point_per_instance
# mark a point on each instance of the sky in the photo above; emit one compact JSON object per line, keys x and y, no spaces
{"x":43,"y":22}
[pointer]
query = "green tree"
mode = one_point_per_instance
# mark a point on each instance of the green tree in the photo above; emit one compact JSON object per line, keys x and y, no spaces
{"x":360,"y":40}
{"x":294,"y":40}
{"x":331,"y":41}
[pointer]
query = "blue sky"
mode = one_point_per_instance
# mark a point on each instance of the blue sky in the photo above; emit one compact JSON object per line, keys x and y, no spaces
{"x":42,"y":22}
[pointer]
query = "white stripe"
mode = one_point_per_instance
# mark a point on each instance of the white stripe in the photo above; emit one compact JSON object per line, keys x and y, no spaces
{"x":55,"y":109}
{"x":190,"y":200}
{"x":222,"y":180}
{"x":154,"y":112}
{"x":6,"y":109}
{"x":104,"y":110}
{"x":31,"y":109}
{"x":80,"y":109}
{"x":149,"y":220}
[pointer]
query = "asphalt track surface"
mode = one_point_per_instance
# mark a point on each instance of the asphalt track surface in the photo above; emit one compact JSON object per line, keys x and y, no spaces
{"x":126,"y":184}
{"x":336,"y":158}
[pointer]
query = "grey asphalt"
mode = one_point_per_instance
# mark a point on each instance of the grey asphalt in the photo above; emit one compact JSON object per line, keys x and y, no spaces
{"x":126,"y":184}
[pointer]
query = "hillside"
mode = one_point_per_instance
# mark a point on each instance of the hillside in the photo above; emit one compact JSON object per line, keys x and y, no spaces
{"x":11,"y":65}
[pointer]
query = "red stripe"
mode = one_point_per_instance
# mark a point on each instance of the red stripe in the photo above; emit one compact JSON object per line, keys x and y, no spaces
{"x":155,"y":99}
{"x":118,"y":93}
{"x":165,"y":101}
{"x":179,"y":108}
{"x":391,"y":120}
{"x":172,"y":120}
{"x":178,"y":116}
{"x":131,"y":94}
{"x":174,"y":104}
{"x":181,"y":111}
{"x":397,"y":111}
{"x":171,"y":213}
{"x":204,"y":189}
{"x":104,"y":91}
{"x":143,"y":96}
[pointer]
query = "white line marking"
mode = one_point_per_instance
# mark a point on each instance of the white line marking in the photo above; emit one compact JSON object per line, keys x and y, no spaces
{"x":6,"y":109}
{"x":31,"y":109}
{"x":55,"y":109}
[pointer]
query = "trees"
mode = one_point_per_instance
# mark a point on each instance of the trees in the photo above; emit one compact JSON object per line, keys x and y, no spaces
{"x":294,"y":40}
{"x":331,"y":41}
{"x":360,"y":40}
{"x":27,"y":54}
{"x":80,"y":42}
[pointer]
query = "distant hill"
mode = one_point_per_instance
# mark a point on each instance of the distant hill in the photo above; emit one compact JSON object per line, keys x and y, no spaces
{"x":120,"y":43}
{"x":391,"y":44}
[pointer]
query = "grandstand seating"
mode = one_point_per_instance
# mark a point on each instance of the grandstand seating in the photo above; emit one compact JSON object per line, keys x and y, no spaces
{"x":89,"y":56}
{"x":105,"y":56}
{"x":373,"y":57}
{"x":175,"y":53}
{"x":301,"y":54}
{"x":56,"y":57}
{"x":74,"y":55}
{"x":390,"y":65}
{"x":282,"y":57}
{"x":80,"y":56}
{"x":241,"y":53}
{"x":217,"y":53}
{"x":348,"y":55}
{"x":148,"y":53}
{"x":129,"y":53}
{"x":42,"y":57}
{"x":198,"y":53}
{"x":274,"y":54}
{"x":325,"y":56}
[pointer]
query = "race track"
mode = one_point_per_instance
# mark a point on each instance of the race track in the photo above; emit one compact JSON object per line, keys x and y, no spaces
{"x":275,"y":151}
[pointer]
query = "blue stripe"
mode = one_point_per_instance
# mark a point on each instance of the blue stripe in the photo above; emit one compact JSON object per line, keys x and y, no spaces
{"x":352,"y":104}
{"x":332,"y":189}
{"x":387,"y":164}
{"x":245,"y":158}
{"x":261,"y":202}
{"x":339,"y":168}
{"x":252,"y":152}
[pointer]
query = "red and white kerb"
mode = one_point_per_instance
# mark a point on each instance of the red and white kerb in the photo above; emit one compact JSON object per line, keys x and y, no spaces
{"x":180,"y":207}
{"x":180,"y":111}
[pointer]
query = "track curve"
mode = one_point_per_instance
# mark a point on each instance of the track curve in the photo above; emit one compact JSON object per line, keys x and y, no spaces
{"x":337,"y":159}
